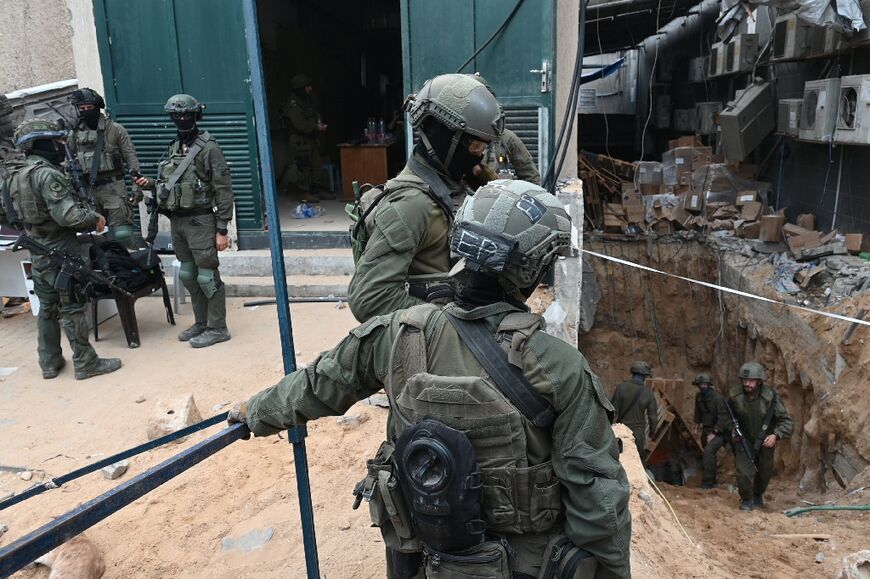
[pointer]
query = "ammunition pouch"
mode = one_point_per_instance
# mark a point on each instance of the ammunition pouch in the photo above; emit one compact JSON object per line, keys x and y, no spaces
{"x":108,"y":162}
{"x":387,"y":506}
{"x":488,"y":559}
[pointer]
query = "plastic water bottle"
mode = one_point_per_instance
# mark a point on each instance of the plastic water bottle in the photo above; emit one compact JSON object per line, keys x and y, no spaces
{"x":382,"y":130}
{"x":306,"y":210}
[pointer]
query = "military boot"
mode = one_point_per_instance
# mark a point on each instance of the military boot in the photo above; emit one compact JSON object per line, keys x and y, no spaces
{"x":192,"y":332}
{"x":104,"y":366}
{"x":745,"y":505}
{"x":210,"y":337}
{"x":51,"y":373}
{"x":758,"y":502}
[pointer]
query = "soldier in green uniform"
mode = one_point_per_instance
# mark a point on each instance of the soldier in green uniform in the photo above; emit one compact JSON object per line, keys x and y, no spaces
{"x":711,"y":423}
{"x":764,"y":421}
{"x":509,"y":152}
{"x":304,"y":127}
{"x":41,"y":199}
{"x":407,"y":255}
{"x":632,"y":400}
{"x":548,"y":486}
{"x":194,"y":189}
{"x":103,"y":148}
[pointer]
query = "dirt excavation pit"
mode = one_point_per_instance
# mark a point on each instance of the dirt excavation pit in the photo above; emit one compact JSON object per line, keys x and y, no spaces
{"x":236,"y":513}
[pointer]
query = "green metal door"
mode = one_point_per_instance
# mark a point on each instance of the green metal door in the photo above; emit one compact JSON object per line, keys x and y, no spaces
{"x":152,"y":49}
{"x":437,"y":37}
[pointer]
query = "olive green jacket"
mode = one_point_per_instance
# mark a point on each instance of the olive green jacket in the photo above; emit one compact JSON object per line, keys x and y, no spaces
{"x":117,"y":143}
{"x":409,"y":238}
{"x":581,"y":444}
{"x":711,"y":413}
{"x":646,"y":404}
{"x":750,"y":414}
{"x":211,"y":167}
{"x":61,"y":214}
{"x":515,"y":152}
{"x":301,"y":118}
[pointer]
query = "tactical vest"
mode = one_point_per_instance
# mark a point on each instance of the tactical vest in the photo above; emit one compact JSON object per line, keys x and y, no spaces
{"x":517,"y":498}
{"x":85,"y":144}
{"x":27,"y":204}
{"x":190,"y":191}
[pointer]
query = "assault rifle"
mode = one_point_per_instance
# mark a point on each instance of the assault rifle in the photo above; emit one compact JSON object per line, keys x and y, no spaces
{"x":71,"y":268}
{"x":75,"y":172}
{"x":739,"y":435}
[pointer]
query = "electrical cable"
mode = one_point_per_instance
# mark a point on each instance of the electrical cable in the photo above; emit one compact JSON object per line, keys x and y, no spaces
{"x":670,"y":508}
{"x":494,"y":34}
{"x":606,"y":125}
{"x":801,"y":510}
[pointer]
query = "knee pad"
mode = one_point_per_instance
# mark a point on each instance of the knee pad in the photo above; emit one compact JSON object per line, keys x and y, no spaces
{"x":208,"y":281}
{"x":187,"y":274}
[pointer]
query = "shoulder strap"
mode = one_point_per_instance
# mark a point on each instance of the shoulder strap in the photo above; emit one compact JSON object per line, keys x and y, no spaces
{"x":631,"y":404}
{"x":95,"y":162}
{"x":509,"y":379}
{"x":192,"y":152}
{"x":768,"y":416}
{"x":439,"y":192}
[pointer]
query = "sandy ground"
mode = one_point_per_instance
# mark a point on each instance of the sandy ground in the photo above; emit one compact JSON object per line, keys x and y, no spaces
{"x":176,"y":530}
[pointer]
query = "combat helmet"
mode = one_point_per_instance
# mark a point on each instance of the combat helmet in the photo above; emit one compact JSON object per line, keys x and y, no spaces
{"x":36,"y":129}
{"x":703,"y":378}
{"x":513,"y":230}
{"x":87,"y":96}
{"x":751,"y":371}
{"x":459,"y":102}
{"x":300,"y":81}
{"x":640,"y":367}
{"x":184,"y":103}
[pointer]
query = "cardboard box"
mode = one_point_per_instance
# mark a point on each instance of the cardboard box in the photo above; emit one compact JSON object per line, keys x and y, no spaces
{"x":632,"y":198}
{"x":635,"y":214}
{"x":628,"y":186}
{"x":650,"y":189}
{"x":726,"y":212}
{"x":807,"y":240}
{"x":693,"y":202}
{"x":771,"y":228}
{"x":663,"y":227}
{"x":613,"y":215}
{"x":751,"y":211}
{"x":747,"y":230}
{"x":685,"y":141}
{"x":703,"y":157}
{"x":712,"y":207}
{"x":649,"y":173}
{"x":744,"y":197}
{"x":853,"y":242}
{"x":807,"y":221}
{"x":790,"y":229}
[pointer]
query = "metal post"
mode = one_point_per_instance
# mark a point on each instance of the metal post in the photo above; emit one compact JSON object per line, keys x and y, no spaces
{"x":264,"y":144}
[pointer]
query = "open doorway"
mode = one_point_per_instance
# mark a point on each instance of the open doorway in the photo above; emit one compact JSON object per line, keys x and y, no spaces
{"x":351,"y":53}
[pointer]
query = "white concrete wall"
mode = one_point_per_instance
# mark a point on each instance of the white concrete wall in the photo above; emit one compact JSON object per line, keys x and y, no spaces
{"x":567,"y":37}
{"x":84,"y":44}
{"x":36,"y":46}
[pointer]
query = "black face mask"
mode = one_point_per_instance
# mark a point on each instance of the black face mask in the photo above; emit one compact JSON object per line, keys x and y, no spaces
{"x":49,"y":150}
{"x":186,"y":126}
{"x":441,"y":138}
{"x":90,"y":118}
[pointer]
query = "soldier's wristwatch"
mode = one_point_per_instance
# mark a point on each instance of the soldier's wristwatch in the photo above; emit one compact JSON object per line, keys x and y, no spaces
{"x":223,"y":231}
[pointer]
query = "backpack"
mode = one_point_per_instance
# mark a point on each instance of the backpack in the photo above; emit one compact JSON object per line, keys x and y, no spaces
{"x":128,"y":271}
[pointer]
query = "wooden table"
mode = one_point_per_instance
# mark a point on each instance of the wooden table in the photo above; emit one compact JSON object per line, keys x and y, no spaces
{"x":366,"y":163}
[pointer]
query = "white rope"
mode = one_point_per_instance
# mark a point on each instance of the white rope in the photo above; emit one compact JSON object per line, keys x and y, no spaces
{"x":727,"y":289}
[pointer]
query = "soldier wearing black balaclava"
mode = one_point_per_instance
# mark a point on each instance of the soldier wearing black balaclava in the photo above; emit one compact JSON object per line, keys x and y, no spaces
{"x":103,"y":150}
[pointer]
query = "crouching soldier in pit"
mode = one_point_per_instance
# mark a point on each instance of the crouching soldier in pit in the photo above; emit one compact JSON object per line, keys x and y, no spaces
{"x":102,"y":148}
{"x":500,"y":439}
{"x":711,"y":423}
{"x":764,"y":421}
{"x":636,"y":406}
{"x":194,"y":189}
{"x":38,"y":197}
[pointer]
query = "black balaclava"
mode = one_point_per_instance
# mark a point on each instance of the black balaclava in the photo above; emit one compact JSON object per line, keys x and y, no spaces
{"x":441,"y":138}
{"x":481,"y":289}
{"x":706,"y":392}
{"x":89,"y":118}
{"x":186,"y":125}
{"x":49,"y":150}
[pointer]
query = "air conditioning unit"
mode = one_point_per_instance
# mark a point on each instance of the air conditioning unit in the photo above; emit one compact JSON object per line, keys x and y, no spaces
{"x":791,"y":38}
{"x":819,"y":111}
{"x":741,"y":53}
{"x":825,"y":41}
{"x":747,"y":120}
{"x":863,"y":37}
{"x":788,"y":117}
{"x":853,"y":113}
{"x":717,"y":60}
{"x":684,"y":120}
{"x":706,"y":115}
{"x":698,"y":68}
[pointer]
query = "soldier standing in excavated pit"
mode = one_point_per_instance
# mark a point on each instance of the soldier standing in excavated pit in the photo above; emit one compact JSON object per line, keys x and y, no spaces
{"x":632,"y":400}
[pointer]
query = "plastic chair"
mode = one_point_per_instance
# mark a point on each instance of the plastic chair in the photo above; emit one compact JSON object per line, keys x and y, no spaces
{"x":127,"y":311}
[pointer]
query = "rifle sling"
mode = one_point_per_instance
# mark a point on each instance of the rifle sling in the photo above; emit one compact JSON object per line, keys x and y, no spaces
{"x":507,"y":377}
{"x":768,"y":416}
{"x":192,"y":152}
{"x":95,"y":162}
{"x":631,"y":405}
{"x":438,"y":191}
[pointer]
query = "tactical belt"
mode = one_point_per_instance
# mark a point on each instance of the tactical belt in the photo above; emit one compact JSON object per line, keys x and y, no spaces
{"x":106,"y":180}
{"x":196,"y":212}
{"x":509,"y":379}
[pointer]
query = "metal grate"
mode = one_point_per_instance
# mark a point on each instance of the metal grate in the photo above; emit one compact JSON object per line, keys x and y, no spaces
{"x":523,"y":120}
{"x":151,"y":134}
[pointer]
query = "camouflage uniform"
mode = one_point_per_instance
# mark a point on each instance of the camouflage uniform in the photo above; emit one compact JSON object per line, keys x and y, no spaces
{"x":303,"y":126}
{"x":633,"y":416}
{"x":750,"y":414}
{"x":712,"y":416}
{"x":509,"y":151}
{"x":109,"y":191}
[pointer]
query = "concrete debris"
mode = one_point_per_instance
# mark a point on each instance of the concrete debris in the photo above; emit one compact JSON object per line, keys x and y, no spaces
{"x":219,"y":406}
{"x":344,"y":526}
{"x":379,"y":399}
{"x":855,"y":566}
{"x":3,"y":529}
{"x":248,"y":542}
{"x":820,"y":557}
{"x":140,"y":400}
{"x":116,"y":470}
{"x":351,"y":420}
{"x":172,"y":415}
{"x":646,"y":498}
{"x":25,"y":475}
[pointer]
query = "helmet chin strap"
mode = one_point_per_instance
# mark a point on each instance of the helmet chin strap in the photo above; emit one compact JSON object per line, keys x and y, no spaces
{"x":430,"y":150}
